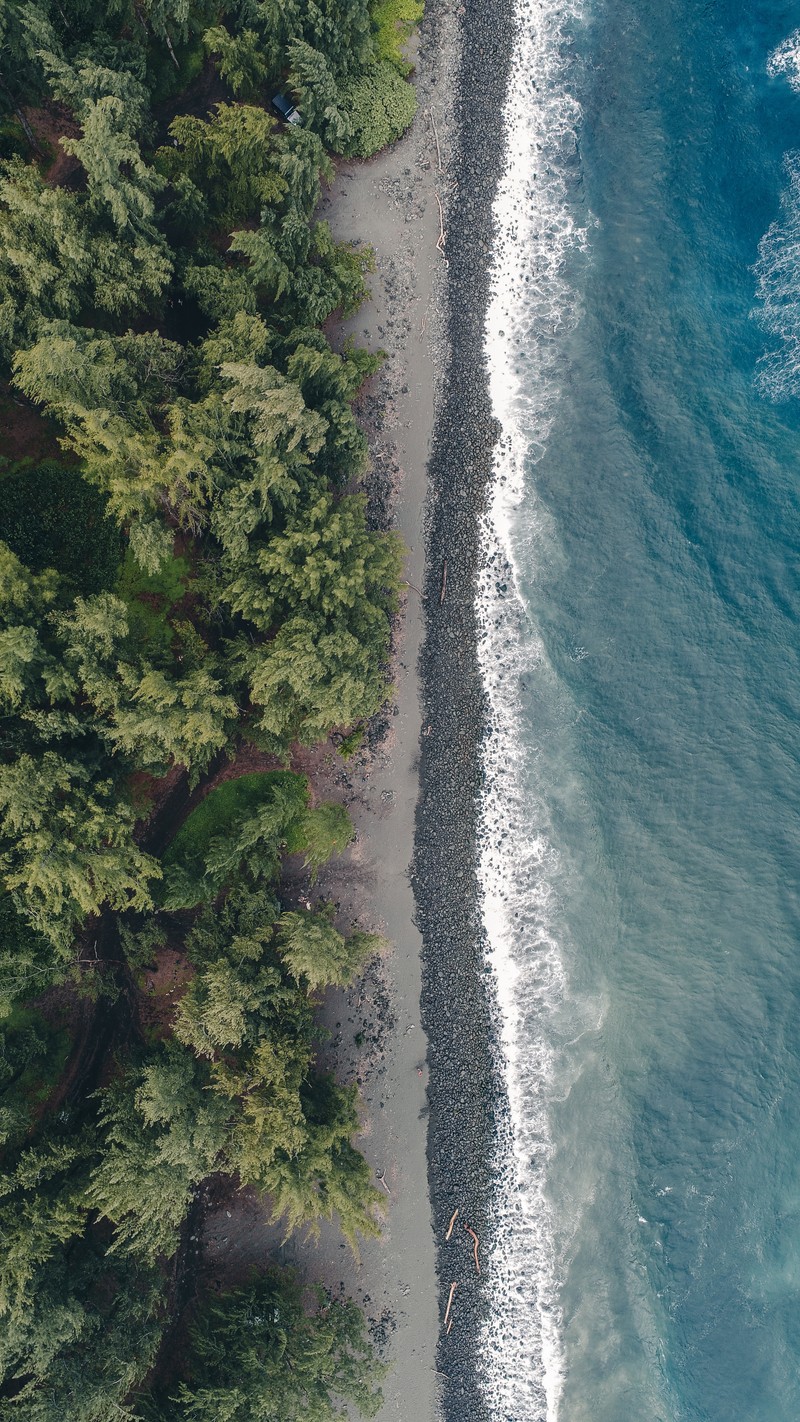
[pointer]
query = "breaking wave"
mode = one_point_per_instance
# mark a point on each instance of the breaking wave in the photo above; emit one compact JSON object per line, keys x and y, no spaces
{"x":531,"y":307}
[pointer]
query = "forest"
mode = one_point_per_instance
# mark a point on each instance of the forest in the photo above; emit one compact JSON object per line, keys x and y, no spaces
{"x":191,"y":589}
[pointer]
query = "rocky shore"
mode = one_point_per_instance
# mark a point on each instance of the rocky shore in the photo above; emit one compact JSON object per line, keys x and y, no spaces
{"x":466,"y":1098}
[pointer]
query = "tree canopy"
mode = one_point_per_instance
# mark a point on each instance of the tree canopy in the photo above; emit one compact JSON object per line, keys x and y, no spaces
{"x":190,"y":586}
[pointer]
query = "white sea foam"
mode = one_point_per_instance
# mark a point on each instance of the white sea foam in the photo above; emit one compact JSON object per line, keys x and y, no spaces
{"x":531,"y":306}
{"x":778,"y":293}
{"x":778,"y":267}
{"x":786,"y":60}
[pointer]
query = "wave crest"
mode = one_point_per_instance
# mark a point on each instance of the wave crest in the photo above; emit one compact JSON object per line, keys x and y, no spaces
{"x":531,"y":306}
{"x":777,"y":274}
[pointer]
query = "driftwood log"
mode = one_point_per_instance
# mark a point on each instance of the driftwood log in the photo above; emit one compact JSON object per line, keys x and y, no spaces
{"x":453,"y":1288}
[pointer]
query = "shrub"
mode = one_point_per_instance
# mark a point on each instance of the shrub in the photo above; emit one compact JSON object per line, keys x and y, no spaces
{"x":393,"y":21}
{"x":381,"y":106}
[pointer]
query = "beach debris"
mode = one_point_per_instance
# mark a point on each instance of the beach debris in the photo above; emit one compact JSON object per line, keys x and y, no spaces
{"x":436,"y":136}
{"x":450,"y":1227}
{"x":381,"y":1176}
{"x":474,"y":1246}
{"x":453,"y":1288}
{"x":406,"y":584}
{"x":444,"y":583}
{"x":442,"y":234}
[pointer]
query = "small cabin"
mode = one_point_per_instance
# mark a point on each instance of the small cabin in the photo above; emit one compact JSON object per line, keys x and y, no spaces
{"x":285,"y":109}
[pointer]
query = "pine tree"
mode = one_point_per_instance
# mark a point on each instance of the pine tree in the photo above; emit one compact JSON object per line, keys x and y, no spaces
{"x":67,"y":846}
{"x":317,"y":954}
{"x":259,"y":1356}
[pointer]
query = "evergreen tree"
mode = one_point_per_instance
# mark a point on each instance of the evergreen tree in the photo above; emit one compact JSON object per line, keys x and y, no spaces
{"x":313,"y":81}
{"x":316,"y":953}
{"x":67,"y":846}
{"x":163,"y":1132}
{"x":119,"y":182}
{"x":259,"y":1356}
{"x":242,"y":59}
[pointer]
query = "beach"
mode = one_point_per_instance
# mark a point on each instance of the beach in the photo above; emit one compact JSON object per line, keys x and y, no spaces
{"x":414,"y":1031}
{"x":375,"y":1029}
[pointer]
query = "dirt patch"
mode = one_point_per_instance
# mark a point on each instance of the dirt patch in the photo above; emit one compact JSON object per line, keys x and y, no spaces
{"x":162,"y":986}
{"x":24,"y":432}
{"x":49,"y":124}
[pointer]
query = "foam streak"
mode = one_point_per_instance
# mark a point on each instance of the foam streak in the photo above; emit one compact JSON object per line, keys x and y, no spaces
{"x":531,"y":306}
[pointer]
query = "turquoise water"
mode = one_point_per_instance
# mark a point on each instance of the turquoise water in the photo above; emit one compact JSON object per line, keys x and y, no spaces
{"x":657,"y":548}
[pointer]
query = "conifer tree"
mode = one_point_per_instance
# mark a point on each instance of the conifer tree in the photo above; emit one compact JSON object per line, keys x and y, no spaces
{"x":313,"y":81}
{"x":259,"y":1356}
{"x":67,"y":847}
{"x":316,"y":953}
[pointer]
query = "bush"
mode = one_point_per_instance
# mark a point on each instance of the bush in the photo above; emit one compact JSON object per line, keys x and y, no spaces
{"x":393,"y":21}
{"x":381,"y":106}
{"x":219,"y":820}
{"x":52,"y":518}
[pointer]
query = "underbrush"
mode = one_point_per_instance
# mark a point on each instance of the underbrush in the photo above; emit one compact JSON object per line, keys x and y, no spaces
{"x":52,"y":518}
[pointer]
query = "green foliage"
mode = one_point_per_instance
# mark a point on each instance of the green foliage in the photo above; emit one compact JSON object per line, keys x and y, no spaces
{"x":51,"y":517}
{"x":314,"y":83}
{"x":381,"y":106}
{"x":215,"y":837}
{"x":149,"y":597}
{"x":327,"y":830}
{"x":259,"y":1355}
{"x":32,"y":1056}
{"x":67,"y":847}
{"x":165,"y":311}
{"x":230,"y":157}
{"x":393,"y":22}
{"x":316,"y":953}
{"x":163,"y":1132}
{"x":26,"y":959}
{"x":108,"y":392}
{"x":241,"y":59}
{"x":326,"y":1176}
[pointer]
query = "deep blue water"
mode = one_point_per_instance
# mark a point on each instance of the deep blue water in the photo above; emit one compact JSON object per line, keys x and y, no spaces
{"x":660,"y":545}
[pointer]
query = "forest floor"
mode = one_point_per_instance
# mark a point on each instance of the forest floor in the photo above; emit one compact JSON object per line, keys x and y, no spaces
{"x":374,"y":1033}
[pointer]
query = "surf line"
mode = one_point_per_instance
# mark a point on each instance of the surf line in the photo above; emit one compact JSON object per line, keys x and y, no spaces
{"x":531,"y":304}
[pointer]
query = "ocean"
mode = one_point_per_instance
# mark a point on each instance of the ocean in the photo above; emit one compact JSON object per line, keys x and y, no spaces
{"x":639,"y":609}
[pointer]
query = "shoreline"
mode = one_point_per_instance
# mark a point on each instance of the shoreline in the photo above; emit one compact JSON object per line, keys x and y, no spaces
{"x":467,"y":1096}
{"x":414,"y":1032}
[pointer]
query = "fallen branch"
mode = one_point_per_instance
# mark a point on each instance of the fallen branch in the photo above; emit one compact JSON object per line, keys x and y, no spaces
{"x":453,"y":1288}
{"x":444,"y":583}
{"x":450,"y":1325}
{"x":406,"y":584}
{"x":382,"y":1179}
{"x":452,"y":1222}
{"x":475,"y":1246}
{"x":442,"y":234}
{"x":436,"y":136}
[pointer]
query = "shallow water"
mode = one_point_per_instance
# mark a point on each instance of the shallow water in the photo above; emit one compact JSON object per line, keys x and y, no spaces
{"x":643,"y":662}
